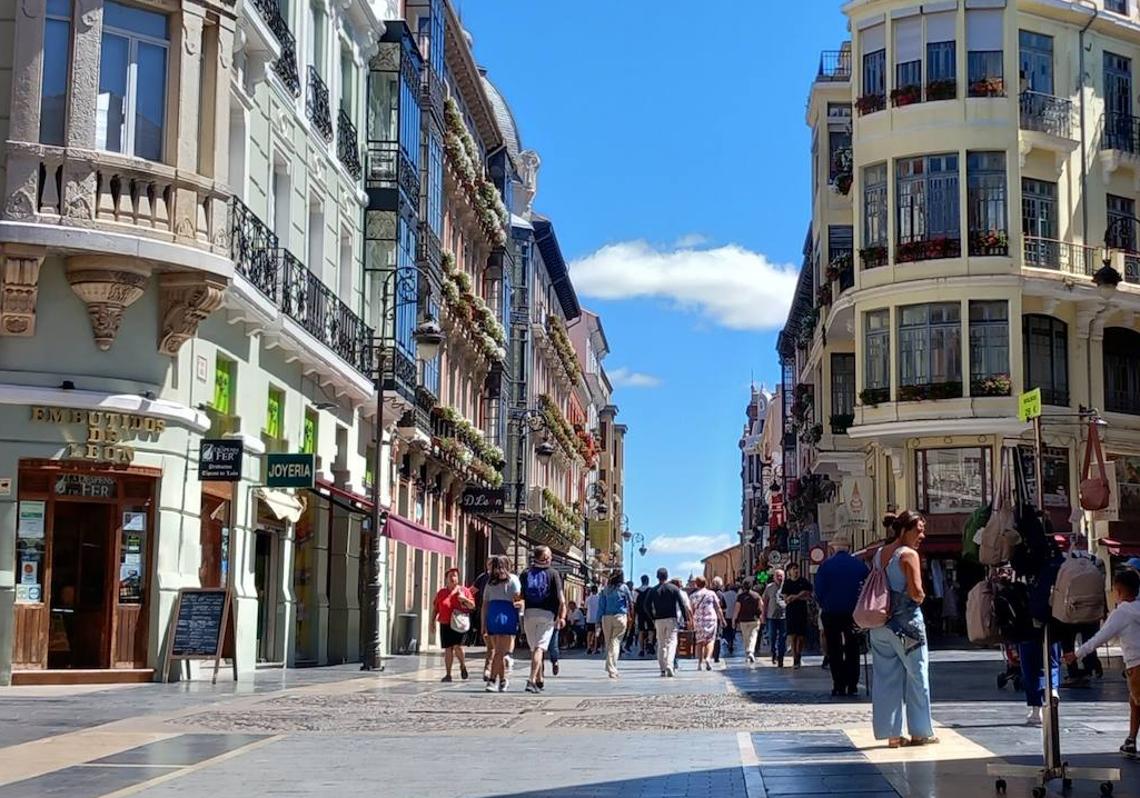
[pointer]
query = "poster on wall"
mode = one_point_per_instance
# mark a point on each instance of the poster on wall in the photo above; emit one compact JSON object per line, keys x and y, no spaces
{"x":31,"y":520}
{"x":30,"y":549}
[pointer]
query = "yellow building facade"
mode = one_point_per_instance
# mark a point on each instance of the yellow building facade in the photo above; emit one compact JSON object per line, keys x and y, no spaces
{"x":975,"y":164}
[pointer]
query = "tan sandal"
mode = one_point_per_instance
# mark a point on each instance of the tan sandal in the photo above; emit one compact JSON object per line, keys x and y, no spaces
{"x":924,"y":741}
{"x":898,"y":742}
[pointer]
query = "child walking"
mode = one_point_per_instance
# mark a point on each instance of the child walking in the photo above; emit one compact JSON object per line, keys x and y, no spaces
{"x":1122,"y":623}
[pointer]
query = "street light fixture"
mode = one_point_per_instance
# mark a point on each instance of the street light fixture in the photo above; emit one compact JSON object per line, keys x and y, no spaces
{"x":401,"y":287}
{"x":1106,"y":279}
{"x":545,"y":451}
{"x":529,"y":420}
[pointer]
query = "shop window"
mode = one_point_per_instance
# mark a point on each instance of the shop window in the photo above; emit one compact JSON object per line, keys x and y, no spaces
{"x":309,"y":433}
{"x":930,"y":351}
{"x":274,"y":414}
{"x":989,"y":348}
{"x":952,"y":480}
{"x":56,"y":72}
{"x":1046,"y":342}
{"x":225,"y":385}
{"x":131,"y":105}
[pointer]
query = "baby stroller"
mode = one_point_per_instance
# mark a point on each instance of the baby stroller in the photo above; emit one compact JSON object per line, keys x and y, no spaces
{"x":1012,"y":672}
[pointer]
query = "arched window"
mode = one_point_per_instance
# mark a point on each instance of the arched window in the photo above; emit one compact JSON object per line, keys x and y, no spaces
{"x":1046,"y":343}
{"x":1122,"y":370}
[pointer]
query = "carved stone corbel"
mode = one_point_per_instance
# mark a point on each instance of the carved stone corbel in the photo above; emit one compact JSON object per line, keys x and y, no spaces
{"x":184,"y":300}
{"x":20,"y":289}
{"x":108,"y":286}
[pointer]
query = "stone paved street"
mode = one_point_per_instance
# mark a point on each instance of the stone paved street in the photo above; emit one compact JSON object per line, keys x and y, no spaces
{"x":749,"y":731}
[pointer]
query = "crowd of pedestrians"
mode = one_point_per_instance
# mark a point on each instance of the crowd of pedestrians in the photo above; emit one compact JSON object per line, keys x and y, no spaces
{"x":774,"y":611}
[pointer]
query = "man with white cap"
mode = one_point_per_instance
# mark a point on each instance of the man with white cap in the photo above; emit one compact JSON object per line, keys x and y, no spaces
{"x":837,"y":586}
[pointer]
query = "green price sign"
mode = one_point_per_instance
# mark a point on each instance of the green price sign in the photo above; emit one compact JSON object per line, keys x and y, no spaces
{"x":1029,"y":404}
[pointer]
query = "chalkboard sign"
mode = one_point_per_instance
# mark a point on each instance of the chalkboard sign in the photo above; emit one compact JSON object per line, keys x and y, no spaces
{"x":202,"y":618}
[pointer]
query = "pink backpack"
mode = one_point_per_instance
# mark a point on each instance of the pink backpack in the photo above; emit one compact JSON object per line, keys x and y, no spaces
{"x":873,"y":609}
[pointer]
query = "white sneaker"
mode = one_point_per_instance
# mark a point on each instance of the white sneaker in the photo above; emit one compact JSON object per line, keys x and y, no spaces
{"x":1034,"y":717}
{"x":489,"y":687}
{"x":503,"y":685}
{"x":751,"y":659}
{"x":669,"y":672}
{"x":509,"y":662}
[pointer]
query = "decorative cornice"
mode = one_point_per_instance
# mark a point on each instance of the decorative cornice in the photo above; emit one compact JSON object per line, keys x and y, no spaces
{"x":108,"y":286}
{"x":19,"y":290}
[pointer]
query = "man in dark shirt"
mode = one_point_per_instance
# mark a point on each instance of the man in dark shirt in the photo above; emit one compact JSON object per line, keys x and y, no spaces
{"x":837,"y":586}
{"x":545,"y":612}
{"x":748,"y":617}
{"x":664,"y":603}
{"x":477,"y":635}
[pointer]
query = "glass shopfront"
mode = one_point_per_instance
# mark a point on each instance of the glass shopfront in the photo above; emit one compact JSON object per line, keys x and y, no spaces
{"x":84,"y":543}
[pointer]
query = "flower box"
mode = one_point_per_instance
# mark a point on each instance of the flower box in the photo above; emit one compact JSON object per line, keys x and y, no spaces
{"x":906,"y":95}
{"x":823,"y":295}
{"x":930,"y":391}
{"x":988,"y":87}
{"x":873,"y":257}
{"x":873,"y":397}
{"x":870,"y":103}
{"x":941,"y":90}
{"x":992,"y":385}
{"x":989,"y":242}
{"x":928,"y":249}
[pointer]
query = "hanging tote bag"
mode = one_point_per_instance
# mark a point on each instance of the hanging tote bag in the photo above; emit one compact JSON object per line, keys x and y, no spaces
{"x":873,"y":609}
{"x":1094,"y":489}
{"x":999,"y":537}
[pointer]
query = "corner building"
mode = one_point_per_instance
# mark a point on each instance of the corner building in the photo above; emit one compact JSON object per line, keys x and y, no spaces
{"x":974,"y":163}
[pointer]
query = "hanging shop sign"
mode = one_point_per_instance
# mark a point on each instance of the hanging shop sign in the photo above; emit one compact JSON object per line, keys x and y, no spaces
{"x":1029,"y":405}
{"x":289,"y":470}
{"x":219,"y":460}
{"x":483,"y":501}
{"x":108,"y":433}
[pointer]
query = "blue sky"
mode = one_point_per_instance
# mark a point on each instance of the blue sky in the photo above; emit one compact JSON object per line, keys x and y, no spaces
{"x":675,"y":167}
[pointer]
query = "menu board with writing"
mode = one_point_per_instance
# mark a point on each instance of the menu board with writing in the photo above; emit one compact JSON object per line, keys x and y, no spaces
{"x":199,"y":623}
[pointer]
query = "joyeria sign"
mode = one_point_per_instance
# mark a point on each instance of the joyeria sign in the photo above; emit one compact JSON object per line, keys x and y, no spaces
{"x":107,"y":431}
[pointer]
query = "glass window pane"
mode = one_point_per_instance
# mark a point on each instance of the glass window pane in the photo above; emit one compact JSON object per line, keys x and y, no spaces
{"x":59,"y":8}
{"x":57,"y":64}
{"x":111,"y":104}
{"x":150,"y":105}
{"x":135,"y":20}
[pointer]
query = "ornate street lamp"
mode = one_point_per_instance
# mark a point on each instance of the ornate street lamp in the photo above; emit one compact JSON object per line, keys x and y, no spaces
{"x":529,"y":420}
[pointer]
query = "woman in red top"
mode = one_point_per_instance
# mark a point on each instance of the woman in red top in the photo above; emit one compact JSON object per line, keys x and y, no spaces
{"x":453,"y":605}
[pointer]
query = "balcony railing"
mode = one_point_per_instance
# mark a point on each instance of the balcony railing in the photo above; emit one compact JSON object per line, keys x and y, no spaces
{"x":270,"y":11}
{"x":299,"y":293}
{"x":834,"y":66}
{"x":1118,"y":401}
{"x":347,"y":144}
{"x":1062,"y":256}
{"x":1047,"y":114}
{"x":1121,"y":132}
{"x":317,"y":104}
{"x":286,"y":65}
{"x":432,"y":93}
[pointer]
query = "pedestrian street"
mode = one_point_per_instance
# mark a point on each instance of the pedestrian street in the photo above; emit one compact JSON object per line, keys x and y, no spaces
{"x":740,"y":730}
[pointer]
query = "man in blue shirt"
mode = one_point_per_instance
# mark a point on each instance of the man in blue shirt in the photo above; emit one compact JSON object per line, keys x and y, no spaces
{"x":837,"y":586}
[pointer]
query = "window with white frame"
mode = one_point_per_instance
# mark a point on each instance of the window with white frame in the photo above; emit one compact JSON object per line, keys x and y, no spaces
{"x":941,"y":56}
{"x":930,"y":350}
{"x":56,"y":72}
{"x":984,"y":58}
{"x":131,"y":105}
{"x":1116,"y":6}
{"x":989,"y":348}
{"x":926,"y":198}
{"x":986,"y":202}
{"x":877,"y":353}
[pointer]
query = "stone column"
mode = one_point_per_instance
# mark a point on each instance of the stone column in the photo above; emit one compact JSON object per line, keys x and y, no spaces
{"x":185,"y":70}
{"x":19,"y":289}
{"x":344,"y":604}
{"x":78,"y":201}
{"x":219,"y":53}
{"x":22,"y":167}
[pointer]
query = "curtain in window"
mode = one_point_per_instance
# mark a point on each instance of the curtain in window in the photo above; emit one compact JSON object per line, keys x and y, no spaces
{"x":984,"y":57}
{"x":1046,"y":345}
{"x":908,"y":52}
{"x":941,"y":65}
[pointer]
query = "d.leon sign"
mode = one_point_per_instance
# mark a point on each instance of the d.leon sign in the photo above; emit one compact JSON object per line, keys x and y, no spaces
{"x":107,"y":431}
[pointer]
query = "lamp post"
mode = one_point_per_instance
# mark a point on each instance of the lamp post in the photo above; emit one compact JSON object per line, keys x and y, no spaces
{"x":529,"y":420}
{"x":401,"y":287}
{"x":599,"y":511}
{"x":636,"y":543}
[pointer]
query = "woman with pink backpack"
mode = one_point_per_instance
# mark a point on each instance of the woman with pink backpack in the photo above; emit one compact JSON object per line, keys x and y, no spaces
{"x":890,"y":607}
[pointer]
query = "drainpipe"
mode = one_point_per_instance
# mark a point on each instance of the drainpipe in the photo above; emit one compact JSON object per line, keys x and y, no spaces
{"x":1084,"y":151}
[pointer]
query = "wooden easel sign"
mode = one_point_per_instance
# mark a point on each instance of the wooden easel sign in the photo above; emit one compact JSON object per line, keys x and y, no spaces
{"x":203,"y":625}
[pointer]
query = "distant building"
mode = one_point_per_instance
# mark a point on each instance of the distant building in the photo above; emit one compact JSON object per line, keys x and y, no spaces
{"x":755,"y":473}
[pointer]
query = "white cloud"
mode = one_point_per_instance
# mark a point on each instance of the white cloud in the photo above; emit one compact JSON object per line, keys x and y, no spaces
{"x":627,"y":378}
{"x":690,"y":240}
{"x":733,"y":286}
{"x":703,"y":545}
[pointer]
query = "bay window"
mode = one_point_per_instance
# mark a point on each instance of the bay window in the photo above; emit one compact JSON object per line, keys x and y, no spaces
{"x":930,"y":351}
{"x":926,"y":196}
{"x":952,"y":480}
{"x":908,"y":61}
{"x":842,"y":392}
{"x":876,"y":357}
{"x":941,"y":56}
{"x":1122,"y":370}
{"x":874,"y":252}
{"x":131,"y":105}
{"x":984,"y":58}
{"x":989,"y":348}
{"x":1046,"y":348}
{"x":874,"y":45}
{"x":56,"y":72}
{"x":986,"y":202}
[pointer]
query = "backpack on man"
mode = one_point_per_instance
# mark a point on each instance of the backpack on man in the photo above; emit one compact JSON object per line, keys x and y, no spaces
{"x":1078,"y":594}
{"x":538,"y":585}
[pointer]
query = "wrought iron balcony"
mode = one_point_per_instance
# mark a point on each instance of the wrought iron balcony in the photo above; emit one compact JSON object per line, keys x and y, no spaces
{"x":431,"y":92}
{"x":1121,"y":132}
{"x":347,"y":145}
{"x":317,"y":104}
{"x":296,"y":291}
{"x":1062,"y":256}
{"x":270,"y":11}
{"x":429,"y":252}
{"x":1047,"y":114}
{"x":286,"y":65}
{"x":834,"y":66}
{"x":253,"y":247}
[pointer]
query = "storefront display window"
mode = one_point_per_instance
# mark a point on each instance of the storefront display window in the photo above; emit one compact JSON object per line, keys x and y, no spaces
{"x":30,"y":548}
{"x":1128,"y":483}
{"x":952,"y":480}
{"x":132,"y":556}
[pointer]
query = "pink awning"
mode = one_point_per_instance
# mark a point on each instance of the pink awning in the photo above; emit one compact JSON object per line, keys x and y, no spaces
{"x":418,"y":537}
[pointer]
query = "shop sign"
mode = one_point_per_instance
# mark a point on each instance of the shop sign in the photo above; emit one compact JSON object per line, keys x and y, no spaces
{"x":1029,"y":404}
{"x":89,"y":486}
{"x":107,"y":431}
{"x":219,"y":460}
{"x":483,"y":501}
{"x":289,"y":470}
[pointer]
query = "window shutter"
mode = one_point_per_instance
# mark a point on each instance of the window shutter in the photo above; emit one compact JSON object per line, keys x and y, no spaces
{"x":908,"y":40}
{"x":942,"y":27}
{"x":874,"y":38}
{"x":983,"y":30}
